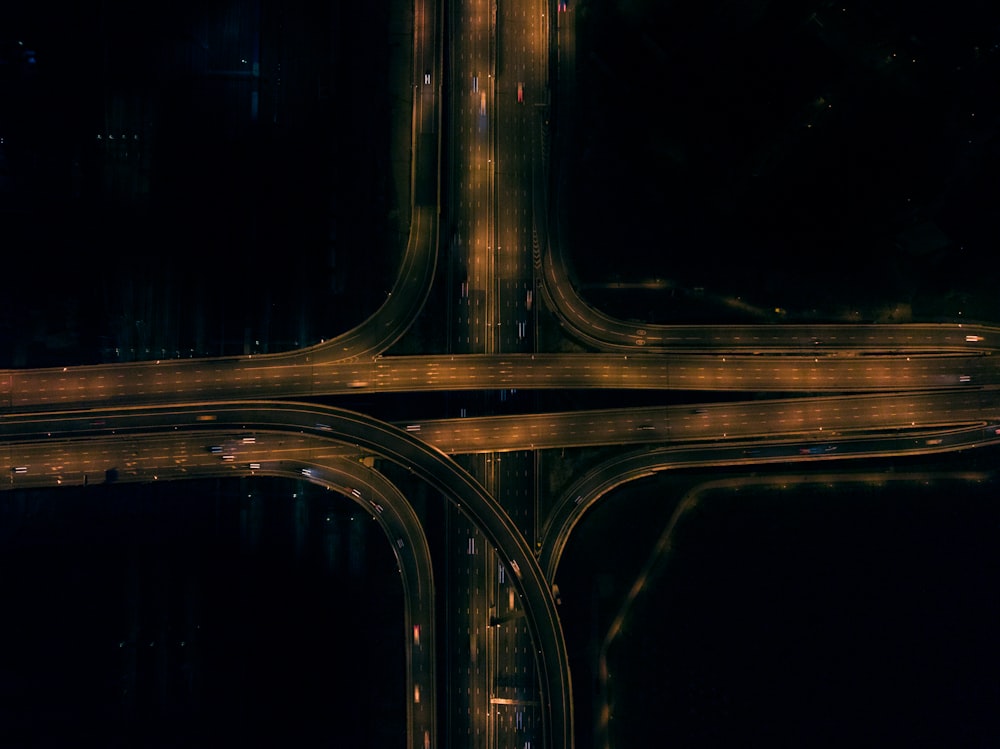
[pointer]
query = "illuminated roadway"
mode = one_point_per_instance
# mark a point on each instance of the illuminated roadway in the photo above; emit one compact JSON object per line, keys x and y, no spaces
{"x":964,"y":411}
{"x":260,"y":377}
{"x":519,"y":103}
{"x":471,"y":195}
{"x":488,"y":297}
{"x":812,"y":419}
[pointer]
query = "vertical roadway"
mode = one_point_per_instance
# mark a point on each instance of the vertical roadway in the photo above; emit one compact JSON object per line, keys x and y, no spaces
{"x":519,"y":98}
{"x":498,"y":53}
{"x":469,"y":556}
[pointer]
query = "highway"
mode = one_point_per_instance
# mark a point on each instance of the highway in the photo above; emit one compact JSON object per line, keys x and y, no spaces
{"x":875,"y":390}
{"x":476,"y":327}
{"x":261,"y":377}
{"x":697,"y":424}
{"x":471,"y":191}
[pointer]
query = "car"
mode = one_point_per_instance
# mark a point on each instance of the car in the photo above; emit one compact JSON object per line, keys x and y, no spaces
{"x":475,"y":83}
{"x":520,"y":93}
{"x":964,"y":378}
{"x":482,"y":103}
{"x":563,"y":6}
{"x":427,"y":77}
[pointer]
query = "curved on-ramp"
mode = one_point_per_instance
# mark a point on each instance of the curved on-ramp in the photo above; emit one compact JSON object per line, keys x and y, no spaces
{"x":602,"y":332}
{"x":600,"y":480}
{"x":391,"y":443}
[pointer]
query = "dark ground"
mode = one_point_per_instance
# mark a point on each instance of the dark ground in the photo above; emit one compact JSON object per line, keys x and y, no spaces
{"x":155,"y":210}
{"x":198,"y":614}
{"x":837,"y":615}
{"x":817,"y":157}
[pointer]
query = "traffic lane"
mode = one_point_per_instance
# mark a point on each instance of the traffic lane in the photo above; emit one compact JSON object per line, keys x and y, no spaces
{"x":472,"y":82}
{"x":254,"y":378}
{"x":680,"y":372}
{"x":705,"y":422}
{"x":709,"y":422}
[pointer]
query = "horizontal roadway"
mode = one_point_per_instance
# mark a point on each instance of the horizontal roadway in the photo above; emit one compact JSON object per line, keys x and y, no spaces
{"x":173,"y":380}
{"x":830,"y":418}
